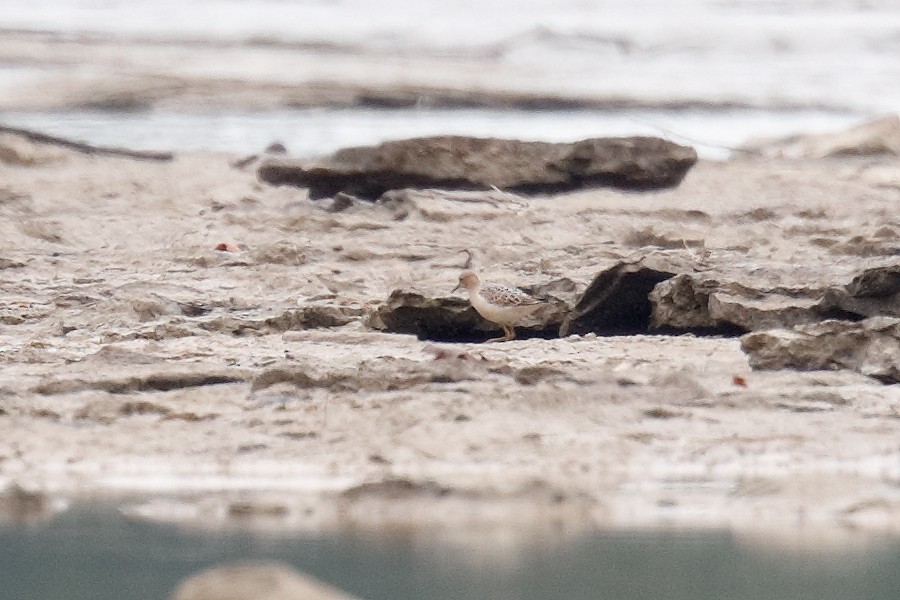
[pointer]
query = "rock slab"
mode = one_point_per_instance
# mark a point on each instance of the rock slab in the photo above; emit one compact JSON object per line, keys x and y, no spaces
{"x":698,"y":301}
{"x":467,"y":163}
{"x":870,"y":347}
{"x":692,"y":301}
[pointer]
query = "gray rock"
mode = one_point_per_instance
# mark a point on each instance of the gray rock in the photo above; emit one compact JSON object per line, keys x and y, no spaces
{"x":682,"y":302}
{"x":752,"y":312}
{"x":878,"y":282}
{"x":465,"y":163}
{"x":870,"y":347}
{"x":255,"y":581}
{"x":874,"y":292}
{"x":697,"y":302}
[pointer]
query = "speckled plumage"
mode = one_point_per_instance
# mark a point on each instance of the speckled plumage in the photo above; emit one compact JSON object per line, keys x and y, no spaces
{"x":502,"y":295}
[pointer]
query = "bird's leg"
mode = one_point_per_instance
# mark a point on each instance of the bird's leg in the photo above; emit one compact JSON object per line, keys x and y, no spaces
{"x":509,"y":333}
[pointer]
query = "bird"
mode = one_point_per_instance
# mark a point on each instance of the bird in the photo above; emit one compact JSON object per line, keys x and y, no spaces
{"x":505,"y":306}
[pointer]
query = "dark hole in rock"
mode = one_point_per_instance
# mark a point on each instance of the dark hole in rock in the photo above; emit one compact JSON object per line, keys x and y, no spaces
{"x":616,"y":302}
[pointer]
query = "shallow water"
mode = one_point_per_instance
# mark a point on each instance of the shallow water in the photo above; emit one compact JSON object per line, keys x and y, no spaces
{"x":777,"y":53}
{"x":100,"y":555}
{"x":318,"y":131}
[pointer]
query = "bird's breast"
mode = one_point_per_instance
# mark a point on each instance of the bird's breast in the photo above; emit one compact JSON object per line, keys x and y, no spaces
{"x":496,"y":313}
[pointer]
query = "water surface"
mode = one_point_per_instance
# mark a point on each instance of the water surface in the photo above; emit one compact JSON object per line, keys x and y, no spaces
{"x":319,"y":131}
{"x":100,"y":555}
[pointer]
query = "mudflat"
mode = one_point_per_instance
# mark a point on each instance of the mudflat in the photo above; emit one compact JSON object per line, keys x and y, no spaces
{"x":252,"y":384}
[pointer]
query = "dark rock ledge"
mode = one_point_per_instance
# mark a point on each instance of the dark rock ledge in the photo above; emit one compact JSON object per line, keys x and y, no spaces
{"x":466,"y":163}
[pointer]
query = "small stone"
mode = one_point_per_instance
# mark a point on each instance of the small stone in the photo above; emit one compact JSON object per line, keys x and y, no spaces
{"x":282,"y":252}
{"x":342,"y":202}
{"x":255,"y":581}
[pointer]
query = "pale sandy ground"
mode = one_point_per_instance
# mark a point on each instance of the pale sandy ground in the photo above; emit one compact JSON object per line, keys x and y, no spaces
{"x":565,"y":434}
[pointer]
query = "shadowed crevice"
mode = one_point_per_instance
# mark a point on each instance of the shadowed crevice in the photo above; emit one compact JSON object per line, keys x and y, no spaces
{"x":616,"y":302}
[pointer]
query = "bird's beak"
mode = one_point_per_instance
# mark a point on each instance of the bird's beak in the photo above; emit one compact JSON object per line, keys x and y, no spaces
{"x":458,"y":285}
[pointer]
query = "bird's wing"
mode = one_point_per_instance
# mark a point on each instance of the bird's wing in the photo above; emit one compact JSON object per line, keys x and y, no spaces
{"x":502,"y":295}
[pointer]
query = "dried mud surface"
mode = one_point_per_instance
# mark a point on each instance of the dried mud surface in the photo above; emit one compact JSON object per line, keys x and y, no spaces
{"x":213,"y":387}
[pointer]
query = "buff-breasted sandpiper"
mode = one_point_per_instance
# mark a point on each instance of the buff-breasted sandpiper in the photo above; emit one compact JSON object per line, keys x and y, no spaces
{"x":506,"y":306}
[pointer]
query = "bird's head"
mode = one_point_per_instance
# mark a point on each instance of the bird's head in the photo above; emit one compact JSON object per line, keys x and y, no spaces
{"x":467,"y":280}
